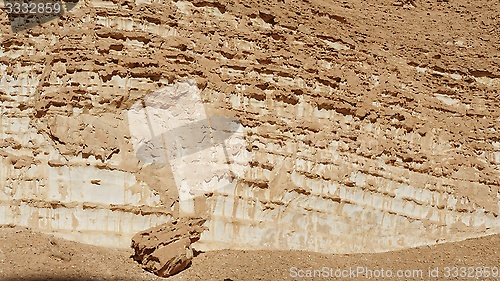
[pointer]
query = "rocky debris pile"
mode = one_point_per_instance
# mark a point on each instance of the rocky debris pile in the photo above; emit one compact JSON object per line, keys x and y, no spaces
{"x":166,"y":249}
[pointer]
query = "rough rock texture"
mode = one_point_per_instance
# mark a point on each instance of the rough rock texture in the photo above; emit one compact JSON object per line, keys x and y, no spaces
{"x":166,"y":249}
{"x":374,"y":127}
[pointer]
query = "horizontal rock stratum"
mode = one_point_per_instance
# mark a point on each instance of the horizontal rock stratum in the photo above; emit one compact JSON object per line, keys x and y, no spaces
{"x":366,"y":126}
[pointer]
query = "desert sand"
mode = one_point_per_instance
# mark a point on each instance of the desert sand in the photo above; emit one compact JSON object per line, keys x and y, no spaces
{"x":29,"y":255}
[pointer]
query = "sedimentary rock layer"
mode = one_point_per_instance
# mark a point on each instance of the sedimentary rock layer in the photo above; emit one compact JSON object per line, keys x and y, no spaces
{"x":372,"y":127}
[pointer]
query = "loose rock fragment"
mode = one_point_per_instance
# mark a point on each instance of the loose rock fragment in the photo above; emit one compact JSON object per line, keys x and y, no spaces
{"x":166,"y":249}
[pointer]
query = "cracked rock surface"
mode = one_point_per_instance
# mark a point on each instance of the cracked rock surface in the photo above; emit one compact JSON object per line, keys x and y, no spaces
{"x":373,"y":127}
{"x":166,"y":249}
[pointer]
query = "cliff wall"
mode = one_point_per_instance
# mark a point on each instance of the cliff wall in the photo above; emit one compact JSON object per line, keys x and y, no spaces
{"x":370,"y":126}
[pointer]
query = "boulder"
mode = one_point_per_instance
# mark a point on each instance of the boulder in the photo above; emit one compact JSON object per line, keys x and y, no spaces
{"x":166,"y":249}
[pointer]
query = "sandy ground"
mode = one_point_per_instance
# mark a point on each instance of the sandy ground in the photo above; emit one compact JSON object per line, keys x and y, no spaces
{"x":28,"y":255}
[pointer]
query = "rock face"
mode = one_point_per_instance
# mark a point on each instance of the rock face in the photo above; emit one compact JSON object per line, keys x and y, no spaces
{"x":166,"y":249}
{"x":371,"y":127}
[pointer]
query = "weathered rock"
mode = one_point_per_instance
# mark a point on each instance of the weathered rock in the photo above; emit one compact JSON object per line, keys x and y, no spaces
{"x":364,"y":136}
{"x":166,"y":249}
